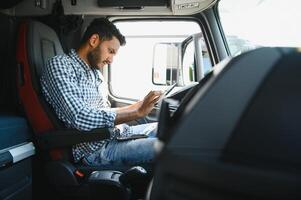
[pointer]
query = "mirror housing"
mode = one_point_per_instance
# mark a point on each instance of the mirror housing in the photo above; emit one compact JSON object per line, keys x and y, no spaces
{"x":182,"y":62}
{"x":166,"y":62}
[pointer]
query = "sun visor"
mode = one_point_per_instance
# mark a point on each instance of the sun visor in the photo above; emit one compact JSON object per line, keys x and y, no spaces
{"x":184,"y":7}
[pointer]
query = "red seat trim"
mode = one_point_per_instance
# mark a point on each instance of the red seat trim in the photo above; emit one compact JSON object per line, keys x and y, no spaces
{"x":29,"y":99}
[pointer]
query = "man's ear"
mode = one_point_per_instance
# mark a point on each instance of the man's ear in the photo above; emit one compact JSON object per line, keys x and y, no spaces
{"x":94,"y":40}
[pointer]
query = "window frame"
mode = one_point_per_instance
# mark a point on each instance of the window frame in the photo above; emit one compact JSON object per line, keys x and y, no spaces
{"x":114,"y":20}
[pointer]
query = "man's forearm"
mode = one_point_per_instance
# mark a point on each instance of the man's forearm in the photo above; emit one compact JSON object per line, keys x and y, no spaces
{"x":138,"y":109}
{"x":126,"y":114}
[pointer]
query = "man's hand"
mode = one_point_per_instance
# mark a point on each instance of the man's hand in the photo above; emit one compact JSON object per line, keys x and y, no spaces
{"x":137,"y":110}
{"x":145,"y":106}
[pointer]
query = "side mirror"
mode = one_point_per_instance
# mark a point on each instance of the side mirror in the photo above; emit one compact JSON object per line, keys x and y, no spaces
{"x":166,"y":62}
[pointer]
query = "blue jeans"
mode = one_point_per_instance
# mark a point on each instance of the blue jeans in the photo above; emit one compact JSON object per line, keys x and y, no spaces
{"x":126,"y":153}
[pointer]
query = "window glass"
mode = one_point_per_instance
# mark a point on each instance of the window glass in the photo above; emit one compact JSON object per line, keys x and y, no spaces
{"x":206,"y":62}
{"x":131,"y":71}
{"x":189,"y":64}
{"x":251,"y":24}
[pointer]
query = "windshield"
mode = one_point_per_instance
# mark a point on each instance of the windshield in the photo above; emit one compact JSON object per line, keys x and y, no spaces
{"x":249,"y":24}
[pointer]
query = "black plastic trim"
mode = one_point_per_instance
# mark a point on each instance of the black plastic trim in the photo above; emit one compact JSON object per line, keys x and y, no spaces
{"x":6,"y":159}
{"x":69,"y":137}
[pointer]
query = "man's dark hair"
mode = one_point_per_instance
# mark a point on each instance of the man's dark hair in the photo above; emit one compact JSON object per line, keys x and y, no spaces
{"x":105,"y":29}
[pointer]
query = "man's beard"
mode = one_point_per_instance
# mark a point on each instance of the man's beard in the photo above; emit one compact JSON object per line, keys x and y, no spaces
{"x":94,"y":57}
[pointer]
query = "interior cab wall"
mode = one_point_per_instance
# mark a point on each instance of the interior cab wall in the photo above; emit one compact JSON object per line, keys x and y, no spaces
{"x":8,"y":88}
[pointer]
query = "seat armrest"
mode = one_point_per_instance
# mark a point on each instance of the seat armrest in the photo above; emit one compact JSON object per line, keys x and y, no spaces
{"x":69,"y":137}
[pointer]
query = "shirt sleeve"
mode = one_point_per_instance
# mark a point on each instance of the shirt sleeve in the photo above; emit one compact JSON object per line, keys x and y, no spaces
{"x":60,"y":86}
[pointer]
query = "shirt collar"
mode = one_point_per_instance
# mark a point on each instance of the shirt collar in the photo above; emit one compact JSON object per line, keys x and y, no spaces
{"x":82,"y":63}
{"x":73,"y":54}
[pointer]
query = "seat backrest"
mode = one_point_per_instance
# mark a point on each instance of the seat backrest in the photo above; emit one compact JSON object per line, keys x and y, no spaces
{"x":36,"y":44}
{"x":43,"y":44}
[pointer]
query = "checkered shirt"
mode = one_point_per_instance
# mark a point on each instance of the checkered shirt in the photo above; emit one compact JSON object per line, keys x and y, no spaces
{"x":79,"y":97}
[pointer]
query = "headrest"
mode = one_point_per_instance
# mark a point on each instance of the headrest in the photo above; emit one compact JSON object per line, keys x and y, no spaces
{"x":43,"y":43}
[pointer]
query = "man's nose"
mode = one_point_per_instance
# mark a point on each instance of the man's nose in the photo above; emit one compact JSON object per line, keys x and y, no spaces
{"x":110,"y":59}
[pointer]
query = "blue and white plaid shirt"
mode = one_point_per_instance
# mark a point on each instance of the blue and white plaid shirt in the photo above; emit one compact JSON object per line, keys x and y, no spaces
{"x":79,"y":97}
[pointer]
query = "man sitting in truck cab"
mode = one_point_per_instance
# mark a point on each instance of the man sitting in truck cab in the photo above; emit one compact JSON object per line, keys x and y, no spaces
{"x":74,"y":86}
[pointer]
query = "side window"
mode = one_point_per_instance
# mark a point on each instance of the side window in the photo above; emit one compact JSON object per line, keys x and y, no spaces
{"x":151,"y":44}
